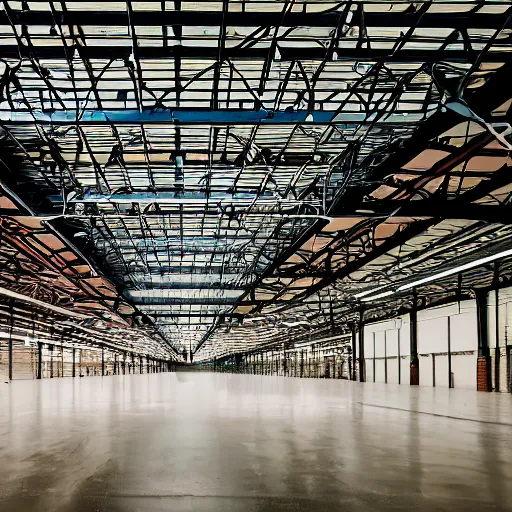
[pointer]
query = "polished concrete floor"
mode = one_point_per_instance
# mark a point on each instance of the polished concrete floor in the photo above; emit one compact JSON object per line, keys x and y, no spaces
{"x":218,"y":442}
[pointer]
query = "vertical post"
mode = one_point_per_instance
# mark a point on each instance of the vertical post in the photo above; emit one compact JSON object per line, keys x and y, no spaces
{"x":73,"y":356}
{"x":497,"y":351}
{"x":353,"y":375}
{"x":374,"y":361}
{"x":399,"y":356}
{"x":51,"y":360}
{"x":147,"y":364}
{"x":39,"y":360}
{"x":362,"y":373}
{"x":11,"y":326}
{"x":414,"y":372}
{"x":133,"y":363}
{"x":385,"y":357}
{"x":102,"y":361}
{"x":141,"y":365}
{"x":483,"y":373}
{"x":450,"y":383}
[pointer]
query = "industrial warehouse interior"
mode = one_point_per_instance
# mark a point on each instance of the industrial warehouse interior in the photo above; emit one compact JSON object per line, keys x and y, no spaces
{"x":256,"y":255}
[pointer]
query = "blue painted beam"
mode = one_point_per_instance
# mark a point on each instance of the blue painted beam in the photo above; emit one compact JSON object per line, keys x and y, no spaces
{"x":182,"y":116}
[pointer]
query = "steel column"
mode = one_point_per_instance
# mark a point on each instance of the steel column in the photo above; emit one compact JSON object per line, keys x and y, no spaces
{"x":484,"y":355}
{"x":362,"y":373}
{"x":450,"y":383}
{"x":414,"y":371}
{"x":39,"y":360}
{"x":353,"y":374}
{"x":11,"y":326}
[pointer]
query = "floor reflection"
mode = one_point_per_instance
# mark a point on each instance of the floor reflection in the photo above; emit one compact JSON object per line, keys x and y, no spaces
{"x":200,"y":441}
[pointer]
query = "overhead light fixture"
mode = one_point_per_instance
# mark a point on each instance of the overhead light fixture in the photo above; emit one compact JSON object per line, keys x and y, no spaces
{"x":368,"y":292}
{"x":456,"y":270}
{"x":378,"y":296}
{"x":433,"y":277}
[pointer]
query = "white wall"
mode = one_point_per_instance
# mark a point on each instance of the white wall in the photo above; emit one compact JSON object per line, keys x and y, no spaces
{"x":457,"y":322}
{"x":433,"y":334}
{"x":391,"y":340}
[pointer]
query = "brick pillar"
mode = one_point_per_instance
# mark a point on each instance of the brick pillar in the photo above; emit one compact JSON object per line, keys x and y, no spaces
{"x":483,"y":368}
{"x":483,"y":374}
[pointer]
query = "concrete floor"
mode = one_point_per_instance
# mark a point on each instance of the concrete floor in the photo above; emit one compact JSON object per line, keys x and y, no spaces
{"x":218,"y":442}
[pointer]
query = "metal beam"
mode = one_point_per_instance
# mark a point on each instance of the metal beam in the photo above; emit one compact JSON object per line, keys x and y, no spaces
{"x":288,"y":53}
{"x":207,"y":301}
{"x":209,"y":116}
{"x":103,"y":18}
{"x":454,"y":209}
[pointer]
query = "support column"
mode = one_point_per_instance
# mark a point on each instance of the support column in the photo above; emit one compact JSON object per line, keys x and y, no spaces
{"x":102,"y":362}
{"x":147,"y":364}
{"x":450,"y":382}
{"x":238,"y":363}
{"x":11,"y":320}
{"x":353,"y":372}
{"x":141,"y":365}
{"x":483,"y":371}
{"x":50,"y":347}
{"x":40,"y":360}
{"x":385,"y":355}
{"x":497,"y":350}
{"x":362,"y":373}
{"x":414,"y":371}
{"x":73,"y":369}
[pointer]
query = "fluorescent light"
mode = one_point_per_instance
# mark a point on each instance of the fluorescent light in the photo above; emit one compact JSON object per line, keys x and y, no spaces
{"x":433,"y":277}
{"x":456,"y":270}
{"x":30,"y":300}
{"x":368,"y":292}
{"x":379,"y":296}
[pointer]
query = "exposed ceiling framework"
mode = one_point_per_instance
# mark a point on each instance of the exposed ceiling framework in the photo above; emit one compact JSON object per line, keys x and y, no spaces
{"x":237,"y":173}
